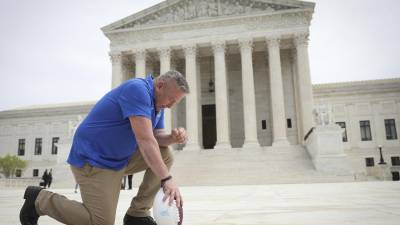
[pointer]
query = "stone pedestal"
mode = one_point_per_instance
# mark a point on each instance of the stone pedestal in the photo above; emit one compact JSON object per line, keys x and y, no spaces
{"x":326,"y":150}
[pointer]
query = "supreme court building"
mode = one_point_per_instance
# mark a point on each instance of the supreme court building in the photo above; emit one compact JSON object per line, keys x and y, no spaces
{"x":246,"y":63}
{"x":251,"y":102}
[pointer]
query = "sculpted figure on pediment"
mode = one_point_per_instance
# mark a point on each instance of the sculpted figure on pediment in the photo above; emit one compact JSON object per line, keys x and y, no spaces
{"x":231,"y":9}
{"x":157,"y":18}
{"x":225,"y":9}
{"x":190,"y":10}
{"x":179,"y":14}
{"x":170,"y":15}
{"x":248,"y":8}
{"x":213,"y":8}
{"x":238,"y":8}
{"x":202,"y":9}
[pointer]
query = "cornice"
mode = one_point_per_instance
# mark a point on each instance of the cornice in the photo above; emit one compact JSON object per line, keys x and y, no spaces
{"x":222,"y":19}
{"x":358,"y":87}
{"x":260,"y":27}
{"x":359,"y":82}
{"x":48,"y":110}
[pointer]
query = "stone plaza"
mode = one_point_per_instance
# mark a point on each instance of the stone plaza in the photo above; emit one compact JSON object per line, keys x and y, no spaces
{"x":360,"y":203}
{"x":266,"y":146}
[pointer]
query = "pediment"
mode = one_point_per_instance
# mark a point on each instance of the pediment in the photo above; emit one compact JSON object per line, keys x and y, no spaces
{"x":169,"y":12}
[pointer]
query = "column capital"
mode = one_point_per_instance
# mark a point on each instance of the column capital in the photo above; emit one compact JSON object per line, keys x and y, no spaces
{"x":246,"y":43}
{"x":219,"y":46}
{"x":115,"y":57}
{"x":301,"y":40}
{"x":190,"y":49}
{"x":139,"y":53}
{"x":164,"y":52}
{"x":273,"y":42}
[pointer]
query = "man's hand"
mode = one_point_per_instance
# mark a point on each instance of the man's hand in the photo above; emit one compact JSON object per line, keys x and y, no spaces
{"x":172,"y":193}
{"x":179,"y":135}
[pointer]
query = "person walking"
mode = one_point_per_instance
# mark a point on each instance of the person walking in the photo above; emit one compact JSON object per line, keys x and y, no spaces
{"x":45,"y":178}
{"x":122,"y":134}
{"x":49,"y":178}
{"x":130,"y":176}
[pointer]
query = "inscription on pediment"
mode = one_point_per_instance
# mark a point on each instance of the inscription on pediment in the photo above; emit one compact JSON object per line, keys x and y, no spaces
{"x":187,"y":10}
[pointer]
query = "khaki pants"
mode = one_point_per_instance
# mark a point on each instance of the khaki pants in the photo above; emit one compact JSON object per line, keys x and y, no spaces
{"x":100,"y":191}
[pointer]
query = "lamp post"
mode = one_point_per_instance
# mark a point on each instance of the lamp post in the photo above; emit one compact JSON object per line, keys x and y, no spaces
{"x":381,"y":162}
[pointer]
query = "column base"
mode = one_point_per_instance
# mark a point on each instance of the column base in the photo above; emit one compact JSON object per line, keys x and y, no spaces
{"x":280,"y":142}
{"x":251,"y":144}
{"x":223,"y":145}
{"x":191,"y":147}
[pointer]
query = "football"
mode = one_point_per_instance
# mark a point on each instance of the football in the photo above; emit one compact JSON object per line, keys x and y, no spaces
{"x":166,"y":214}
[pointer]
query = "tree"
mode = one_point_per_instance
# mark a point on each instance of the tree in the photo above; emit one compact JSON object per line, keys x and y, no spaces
{"x":9,"y":164}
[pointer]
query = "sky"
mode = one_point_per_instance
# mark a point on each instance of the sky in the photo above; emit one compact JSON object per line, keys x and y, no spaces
{"x":53,"y":51}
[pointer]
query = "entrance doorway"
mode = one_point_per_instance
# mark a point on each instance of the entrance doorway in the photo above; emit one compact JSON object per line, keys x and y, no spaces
{"x":396,"y":176}
{"x":209,"y":126}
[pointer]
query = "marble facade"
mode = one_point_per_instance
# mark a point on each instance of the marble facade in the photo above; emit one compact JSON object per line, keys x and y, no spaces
{"x":231,"y":33}
{"x":248,"y":68}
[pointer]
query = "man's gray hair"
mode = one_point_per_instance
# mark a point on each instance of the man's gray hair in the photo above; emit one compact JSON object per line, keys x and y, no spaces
{"x":179,"y":79}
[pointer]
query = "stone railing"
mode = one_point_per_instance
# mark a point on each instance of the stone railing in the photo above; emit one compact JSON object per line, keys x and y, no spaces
{"x":18,"y":182}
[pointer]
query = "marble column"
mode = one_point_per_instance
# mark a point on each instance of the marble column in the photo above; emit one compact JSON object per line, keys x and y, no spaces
{"x":165,"y":66}
{"x":192,"y":108}
{"x":117,"y":69}
{"x":249,"y":99}
{"x":221,"y":96}
{"x":140,"y":61}
{"x":277,"y":98}
{"x":304,"y":83}
{"x":199,"y":103}
{"x":296,"y":97}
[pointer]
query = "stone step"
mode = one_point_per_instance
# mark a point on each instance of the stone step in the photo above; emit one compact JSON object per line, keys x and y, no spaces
{"x":266,"y":165}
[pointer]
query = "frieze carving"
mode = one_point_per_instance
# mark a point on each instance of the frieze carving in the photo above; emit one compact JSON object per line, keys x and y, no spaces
{"x":194,"y":9}
{"x":265,"y":22}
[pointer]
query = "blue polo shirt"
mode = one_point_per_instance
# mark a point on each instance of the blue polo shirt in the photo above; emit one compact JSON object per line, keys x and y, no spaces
{"x":105,"y":138}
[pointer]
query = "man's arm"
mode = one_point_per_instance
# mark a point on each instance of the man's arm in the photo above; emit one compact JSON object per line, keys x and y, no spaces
{"x":148,"y":145}
{"x":177,"y":136}
{"x":150,"y":151}
{"x":163,"y":138}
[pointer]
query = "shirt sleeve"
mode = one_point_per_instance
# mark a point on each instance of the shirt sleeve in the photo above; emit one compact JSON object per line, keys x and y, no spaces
{"x":160,"y":123}
{"x":135,"y":100}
